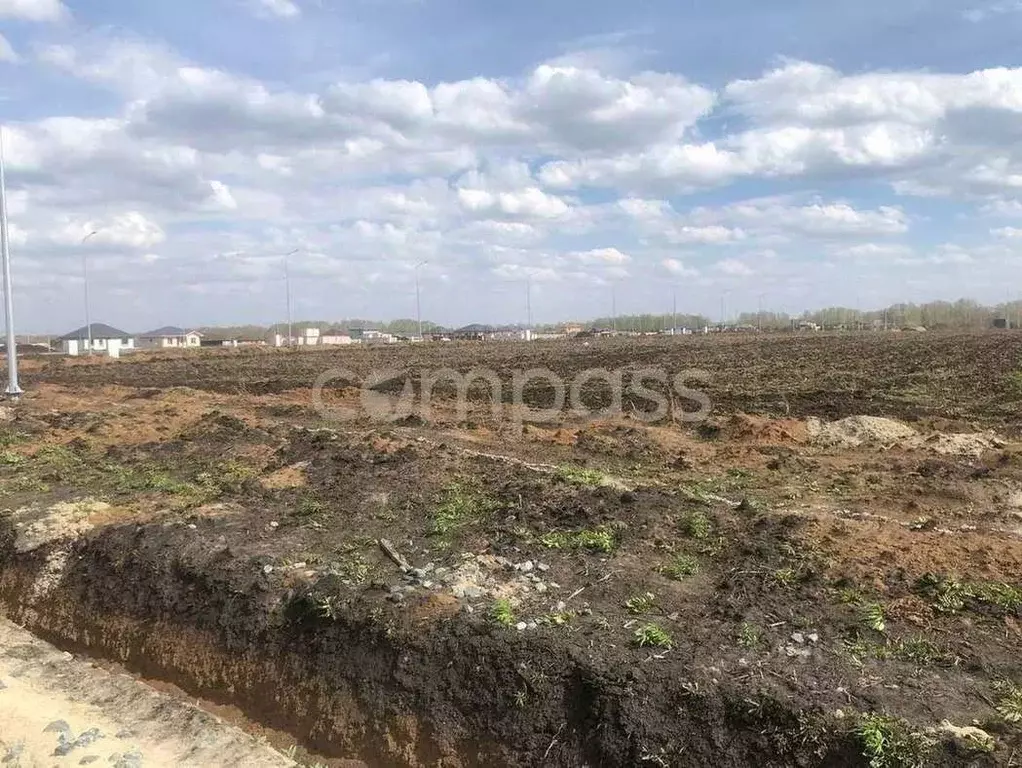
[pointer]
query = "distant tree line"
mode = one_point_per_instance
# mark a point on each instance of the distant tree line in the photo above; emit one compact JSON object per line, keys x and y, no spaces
{"x":962,"y":314}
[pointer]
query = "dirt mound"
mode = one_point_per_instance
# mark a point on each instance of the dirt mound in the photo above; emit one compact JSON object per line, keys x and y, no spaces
{"x":760,"y":429}
{"x":855,"y":431}
{"x":973,"y":444}
{"x":873,"y":431}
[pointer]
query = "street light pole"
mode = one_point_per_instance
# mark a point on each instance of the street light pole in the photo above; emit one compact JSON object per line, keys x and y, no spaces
{"x":287,"y":288}
{"x":13,"y":390}
{"x":613,"y":305}
{"x":674,"y":311}
{"x":85,"y":279}
{"x":528,"y":302}
{"x":418,"y":298}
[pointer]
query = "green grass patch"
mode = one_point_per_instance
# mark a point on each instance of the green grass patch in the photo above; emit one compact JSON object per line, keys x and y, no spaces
{"x":681,"y":567}
{"x":949,"y":595}
{"x":887,"y":742}
{"x":583,"y":477}
{"x":641,"y":604}
{"x":502,"y":613}
{"x":653,"y":636}
{"x":592,"y":540}
{"x":696,"y":525}
{"x":1009,"y":703}
{"x":458,"y":505}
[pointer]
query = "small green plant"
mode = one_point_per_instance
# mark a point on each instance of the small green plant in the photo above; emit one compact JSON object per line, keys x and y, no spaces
{"x":459,"y":505}
{"x":681,"y":567}
{"x":11,"y":459}
{"x":327,"y":607}
{"x":873,"y":617}
{"x":309,"y":507}
{"x":1004,"y":596}
{"x":749,"y":635}
{"x":1009,"y":706}
{"x":587,"y":478}
{"x":558,"y":619}
{"x":785,"y":577}
{"x":521,"y":699}
{"x":502,"y":613}
{"x":653,"y":636}
{"x":599,"y":540}
{"x":849,"y":595}
{"x":640,"y":604}
{"x":888,"y":743}
{"x":696,"y":525}
{"x":594,"y":540}
{"x":916,"y":650}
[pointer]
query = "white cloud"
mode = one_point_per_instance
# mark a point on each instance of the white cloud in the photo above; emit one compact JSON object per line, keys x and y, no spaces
{"x":982,"y":13}
{"x":284,"y":9}
{"x":678,"y":269}
{"x":602,"y":256}
{"x":1007,"y":233}
{"x":32,"y":10}
{"x":1003,"y":208}
{"x":734,"y":268}
{"x":7,"y":52}
{"x":874,"y":251}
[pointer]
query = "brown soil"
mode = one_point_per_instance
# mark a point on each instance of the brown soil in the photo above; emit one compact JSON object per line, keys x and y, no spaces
{"x":241,"y":560}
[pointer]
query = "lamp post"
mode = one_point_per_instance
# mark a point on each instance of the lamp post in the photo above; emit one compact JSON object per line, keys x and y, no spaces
{"x":674,"y":311}
{"x":85,"y":280}
{"x":287,"y":287}
{"x":418,"y":297}
{"x":13,"y":390}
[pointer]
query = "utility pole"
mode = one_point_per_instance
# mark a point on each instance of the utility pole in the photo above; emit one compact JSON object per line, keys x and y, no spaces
{"x":13,"y":390}
{"x":674,"y":311}
{"x":85,"y":280}
{"x":528,"y":303}
{"x":418,"y":301}
{"x":287,"y":286}
{"x":759,"y":313}
{"x":613,"y":305}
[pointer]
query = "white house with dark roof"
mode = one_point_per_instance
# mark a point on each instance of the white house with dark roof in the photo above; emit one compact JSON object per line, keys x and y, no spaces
{"x":169,"y":337}
{"x":105,"y":340}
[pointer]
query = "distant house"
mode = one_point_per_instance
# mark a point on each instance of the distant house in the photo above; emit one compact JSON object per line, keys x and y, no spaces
{"x":307,"y":337}
{"x":479,"y":332}
{"x":371,"y":336}
{"x":105,"y":340}
{"x":216,"y":338}
{"x":335,"y":336}
{"x":169,"y":337}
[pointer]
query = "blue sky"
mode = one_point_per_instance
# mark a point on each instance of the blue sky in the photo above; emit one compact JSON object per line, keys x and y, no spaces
{"x":807,"y":153}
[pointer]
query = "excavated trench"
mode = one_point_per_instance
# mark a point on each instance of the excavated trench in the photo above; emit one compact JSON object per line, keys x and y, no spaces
{"x":174,"y":603}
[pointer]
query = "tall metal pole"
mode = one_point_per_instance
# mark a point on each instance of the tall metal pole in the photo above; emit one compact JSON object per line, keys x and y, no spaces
{"x":613,"y":305}
{"x":85,"y":279}
{"x":528,"y":301}
{"x":674,"y":311}
{"x":13,"y":390}
{"x":759,"y":313}
{"x":287,"y":287}
{"x":418,"y":298}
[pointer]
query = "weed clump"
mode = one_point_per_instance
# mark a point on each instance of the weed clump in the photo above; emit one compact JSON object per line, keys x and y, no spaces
{"x":594,"y":540}
{"x":653,"y":636}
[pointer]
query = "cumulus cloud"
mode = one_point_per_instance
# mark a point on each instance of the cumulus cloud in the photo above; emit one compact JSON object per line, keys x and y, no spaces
{"x":284,"y":9}
{"x":734,"y":268}
{"x":677,"y":268}
{"x":7,"y":52}
{"x":1007,"y":233}
{"x":33,"y":10}
{"x":561,"y":172}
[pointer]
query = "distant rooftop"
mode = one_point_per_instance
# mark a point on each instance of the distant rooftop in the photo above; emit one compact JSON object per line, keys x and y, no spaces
{"x":99,"y":331}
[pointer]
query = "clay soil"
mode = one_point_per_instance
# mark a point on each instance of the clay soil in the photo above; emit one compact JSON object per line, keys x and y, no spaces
{"x":456,"y":590}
